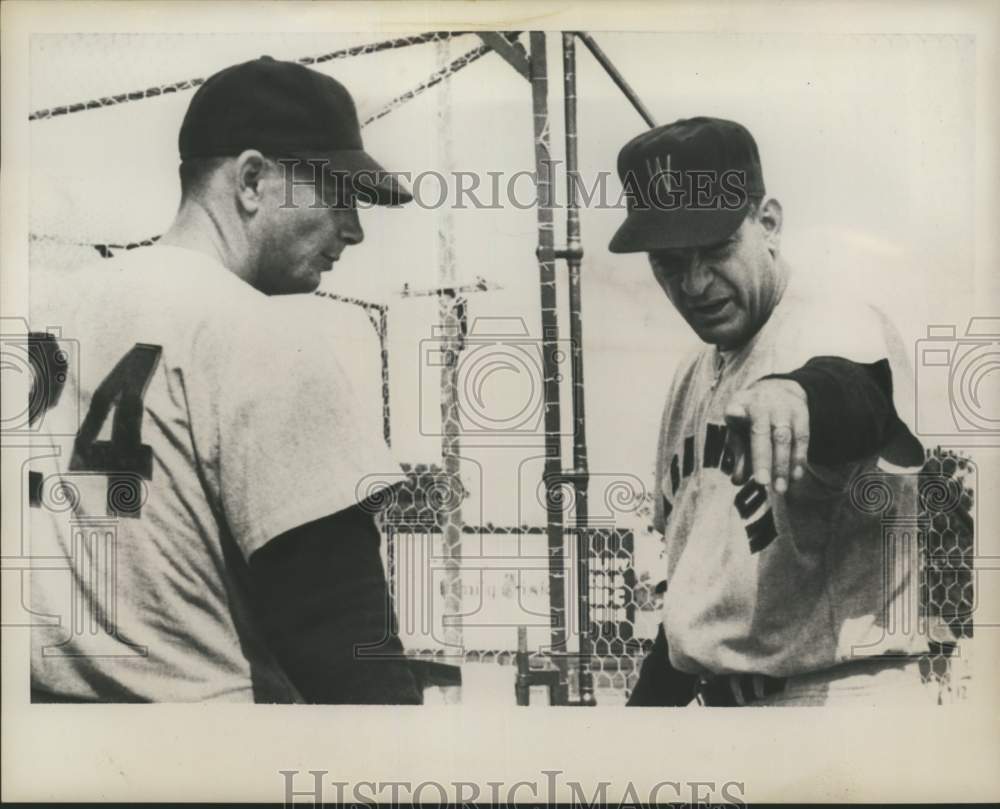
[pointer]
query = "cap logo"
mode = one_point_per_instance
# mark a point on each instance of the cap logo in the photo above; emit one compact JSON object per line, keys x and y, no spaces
{"x":658,"y":170}
{"x":694,"y":189}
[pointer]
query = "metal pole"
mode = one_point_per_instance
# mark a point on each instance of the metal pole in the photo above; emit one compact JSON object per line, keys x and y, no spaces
{"x":451,"y":310}
{"x":383,"y":329}
{"x":574,"y":256}
{"x":522,"y":682}
{"x":616,"y":77}
{"x":550,"y":334}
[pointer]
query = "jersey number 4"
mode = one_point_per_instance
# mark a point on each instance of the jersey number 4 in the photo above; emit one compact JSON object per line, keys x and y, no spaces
{"x":124,"y":459}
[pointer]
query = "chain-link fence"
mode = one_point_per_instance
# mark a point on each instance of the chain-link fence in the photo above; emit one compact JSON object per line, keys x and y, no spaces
{"x":947,"y":569}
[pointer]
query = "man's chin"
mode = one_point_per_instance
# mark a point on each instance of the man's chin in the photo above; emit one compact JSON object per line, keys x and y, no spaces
{"x":726,"y":335}
{"x":304,"y":284}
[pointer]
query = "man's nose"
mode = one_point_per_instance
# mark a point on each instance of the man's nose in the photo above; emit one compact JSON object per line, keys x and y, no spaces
{"x":349,"y":228}
{"x":697,"y":276}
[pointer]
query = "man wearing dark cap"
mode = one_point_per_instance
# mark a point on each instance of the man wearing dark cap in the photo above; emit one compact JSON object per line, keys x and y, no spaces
{"x":218,"y":546}
{"x":777,"y":592}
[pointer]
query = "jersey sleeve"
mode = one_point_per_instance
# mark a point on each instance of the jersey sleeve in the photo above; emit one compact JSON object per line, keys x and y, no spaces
{"x":293,"y":442}
{"x":861,"y":333}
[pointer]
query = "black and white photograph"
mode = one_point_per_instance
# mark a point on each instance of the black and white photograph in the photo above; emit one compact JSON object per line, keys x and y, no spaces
{"x":378,"y":382}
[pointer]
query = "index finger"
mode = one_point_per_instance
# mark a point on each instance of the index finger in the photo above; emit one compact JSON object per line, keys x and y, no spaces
{"x":735,"y":460}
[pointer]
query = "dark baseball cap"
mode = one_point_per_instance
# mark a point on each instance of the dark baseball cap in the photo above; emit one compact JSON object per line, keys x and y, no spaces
{"x":285,"y":110}
{"x":689,"y":184}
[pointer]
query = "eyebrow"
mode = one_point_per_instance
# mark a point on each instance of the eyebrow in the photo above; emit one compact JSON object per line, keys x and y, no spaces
{"x":679,"y":252}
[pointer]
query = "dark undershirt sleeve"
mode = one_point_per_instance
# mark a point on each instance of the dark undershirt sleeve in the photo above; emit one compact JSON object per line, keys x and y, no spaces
{"x":320,"y":591}
{"x":851,"y":411}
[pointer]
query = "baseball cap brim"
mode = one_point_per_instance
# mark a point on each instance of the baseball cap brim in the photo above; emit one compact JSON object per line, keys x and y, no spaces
{"x":659,"y":229}
{"x":367,"y":178}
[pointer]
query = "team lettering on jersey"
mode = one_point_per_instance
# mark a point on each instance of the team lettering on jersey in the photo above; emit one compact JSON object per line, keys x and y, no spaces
{"x":749,"y":498}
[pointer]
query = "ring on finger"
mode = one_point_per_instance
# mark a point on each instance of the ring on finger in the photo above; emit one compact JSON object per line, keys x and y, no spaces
{"x":784,"y":430}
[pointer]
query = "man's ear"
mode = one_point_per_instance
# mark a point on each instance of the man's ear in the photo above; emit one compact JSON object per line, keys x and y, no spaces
{"x":770,"y":218}
{"x":250,"y":170}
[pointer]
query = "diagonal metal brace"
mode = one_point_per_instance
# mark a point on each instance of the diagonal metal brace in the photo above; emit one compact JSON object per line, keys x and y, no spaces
{"x":509,"y":48}
{"x":616,"y":77}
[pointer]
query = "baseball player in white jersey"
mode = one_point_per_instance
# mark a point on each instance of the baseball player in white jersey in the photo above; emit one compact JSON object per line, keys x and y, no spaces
{"x":196,"y":474}
{"x":778,"y":586}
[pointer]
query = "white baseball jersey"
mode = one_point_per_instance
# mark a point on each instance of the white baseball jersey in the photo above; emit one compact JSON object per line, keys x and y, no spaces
{"x":781,"y":585}
{"x":197,"y":419}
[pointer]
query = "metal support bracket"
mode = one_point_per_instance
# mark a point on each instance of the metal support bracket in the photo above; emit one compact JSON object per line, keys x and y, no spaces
{"x":512,"y":52}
